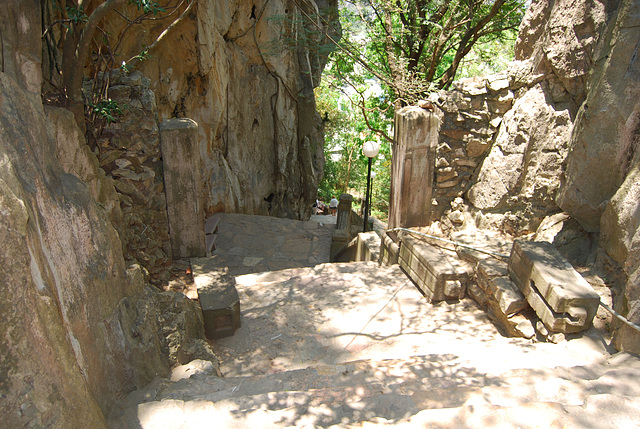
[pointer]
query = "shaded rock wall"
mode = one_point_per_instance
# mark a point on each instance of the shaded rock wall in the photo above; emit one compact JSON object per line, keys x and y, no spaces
{"x":129,"y":152}
{"x":245,"y":72}
{"x":79,"y":327}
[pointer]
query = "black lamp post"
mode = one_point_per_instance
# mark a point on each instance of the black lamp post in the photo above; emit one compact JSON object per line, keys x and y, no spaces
{"x":370,"y":150}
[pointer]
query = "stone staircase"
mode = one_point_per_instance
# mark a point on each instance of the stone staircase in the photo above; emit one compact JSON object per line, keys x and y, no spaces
{"x":357,"y":345}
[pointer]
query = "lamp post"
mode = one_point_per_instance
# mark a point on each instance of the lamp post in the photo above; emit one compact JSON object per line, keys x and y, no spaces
{"x":373,"y":182}
{"x":370,"y":150}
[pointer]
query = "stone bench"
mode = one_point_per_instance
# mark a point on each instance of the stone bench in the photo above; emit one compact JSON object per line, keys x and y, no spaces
{"x":218,"y":297}
{"x":438,"y":274}
{"x":561,"y":298}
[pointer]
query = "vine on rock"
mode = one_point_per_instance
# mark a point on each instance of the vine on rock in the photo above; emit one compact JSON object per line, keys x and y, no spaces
{"x":79,"y":48}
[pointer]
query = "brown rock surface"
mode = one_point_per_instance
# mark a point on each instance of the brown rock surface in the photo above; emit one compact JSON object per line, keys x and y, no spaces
{"x":79,"y":328}
{"x":249,"y":86}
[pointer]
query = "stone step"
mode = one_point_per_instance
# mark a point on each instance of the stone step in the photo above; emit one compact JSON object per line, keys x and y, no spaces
{"x":383,"y":391}
{"x":211,"y":223}
{"x":211,"y":242}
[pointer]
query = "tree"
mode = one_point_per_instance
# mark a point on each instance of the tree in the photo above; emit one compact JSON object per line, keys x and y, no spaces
{"x":76,"y":43}
{"x":411,"y":47}
{"x":393,"y":53}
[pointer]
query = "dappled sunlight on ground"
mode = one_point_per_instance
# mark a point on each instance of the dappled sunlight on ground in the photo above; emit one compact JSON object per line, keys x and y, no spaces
{"x":358,"y":345}
{"x":336,"y":313}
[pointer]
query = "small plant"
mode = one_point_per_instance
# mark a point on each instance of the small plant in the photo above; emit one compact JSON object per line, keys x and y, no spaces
{"x":148,"y":6}
{"x":76,"y":15}
{"x":107,"y":109}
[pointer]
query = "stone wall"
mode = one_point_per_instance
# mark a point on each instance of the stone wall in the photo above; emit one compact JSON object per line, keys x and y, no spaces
{"x":471,"y":115}
{"x":129,"y":152}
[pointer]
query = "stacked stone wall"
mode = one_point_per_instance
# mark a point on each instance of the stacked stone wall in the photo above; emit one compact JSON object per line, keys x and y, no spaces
{"x":470,"y":116}
{"x":129,"y":152}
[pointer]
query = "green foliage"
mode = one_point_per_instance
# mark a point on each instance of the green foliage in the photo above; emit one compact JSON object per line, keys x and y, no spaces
{"x":345,"y":165}
{"x":148,"y":6}
{"x":106,"y":109}
{"x":76,"y":15}
{"x":392,"y":53}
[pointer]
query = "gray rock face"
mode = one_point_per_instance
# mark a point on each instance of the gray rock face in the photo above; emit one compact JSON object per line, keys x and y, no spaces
{"x":560,"y":37}
{"x":593,"y":173}
{"x":525,"y":163}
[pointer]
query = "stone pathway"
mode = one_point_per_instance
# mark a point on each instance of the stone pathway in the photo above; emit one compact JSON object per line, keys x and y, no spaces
{"x":250,"y":244}
{"x":356,"y":345}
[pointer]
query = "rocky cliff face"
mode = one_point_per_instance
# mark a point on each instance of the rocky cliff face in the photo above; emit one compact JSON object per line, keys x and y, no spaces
{"x":570,"y":142}
{"x":245,"y":70}
{"x":79,"y":327}
{"x":597,"y":67}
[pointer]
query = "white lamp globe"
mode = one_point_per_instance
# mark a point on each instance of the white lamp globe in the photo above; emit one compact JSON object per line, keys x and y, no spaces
{"x":370,"y":148}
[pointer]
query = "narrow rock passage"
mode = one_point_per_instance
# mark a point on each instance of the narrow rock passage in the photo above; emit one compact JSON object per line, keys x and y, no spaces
{"x":356,"y":345}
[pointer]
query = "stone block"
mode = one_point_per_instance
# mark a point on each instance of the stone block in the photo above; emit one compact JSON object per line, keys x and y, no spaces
{"x":412,"y":171}
{"x":492,"y":278}
{"x":182,"y":163}
{"x":368,"y":247}
{"x":561,"y":298}
{"x":218,"y":297}
{"x":339,"y":239}
{"x":437,"y":272}
{"x":390,"y":249}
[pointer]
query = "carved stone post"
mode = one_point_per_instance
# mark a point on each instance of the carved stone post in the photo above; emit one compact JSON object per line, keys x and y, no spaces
{"x":413,"y":164}
{"x":344,"y":212}
{"x":182,"y":182}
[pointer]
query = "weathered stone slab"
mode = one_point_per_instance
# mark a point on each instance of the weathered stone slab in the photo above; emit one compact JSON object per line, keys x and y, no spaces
{"x":412,"y":171}
{"x":563,"y":300}
{"x":499,"y":296}
{"x":493,"y":280}
{"x":390,"y":249}
{"x":181,"y":162}
{"x":218,"y":297}
{"x":439,"y":275}
{"x":368,"y":247}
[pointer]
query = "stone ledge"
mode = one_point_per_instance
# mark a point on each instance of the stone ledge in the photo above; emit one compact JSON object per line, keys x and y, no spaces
{"x":438,"y":274}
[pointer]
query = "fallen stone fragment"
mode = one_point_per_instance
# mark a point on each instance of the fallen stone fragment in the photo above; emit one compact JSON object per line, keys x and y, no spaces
{"x":438,"y":273}
{"x":563,"y":300}
{"x":218,"y":297}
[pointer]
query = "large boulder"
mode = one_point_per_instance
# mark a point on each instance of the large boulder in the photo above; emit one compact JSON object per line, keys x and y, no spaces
{"x":248,"y":82}
{"x":516,"y":184}
{"x":522,"y":171}
{"x":593,"y":174}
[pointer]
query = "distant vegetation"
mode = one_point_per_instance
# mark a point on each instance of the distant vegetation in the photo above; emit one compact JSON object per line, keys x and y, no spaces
{"x":393,"y":53}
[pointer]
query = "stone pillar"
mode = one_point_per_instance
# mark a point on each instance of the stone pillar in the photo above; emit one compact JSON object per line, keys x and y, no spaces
{"x":182,"y":164}
{"x":344,"y":212}
{"x":413,"y":163}
{"x":342,"y":233}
